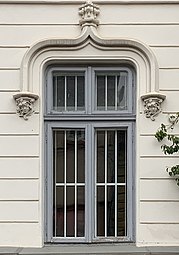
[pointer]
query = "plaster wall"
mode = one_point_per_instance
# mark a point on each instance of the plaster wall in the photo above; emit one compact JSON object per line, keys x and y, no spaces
{"x":21,"y":169}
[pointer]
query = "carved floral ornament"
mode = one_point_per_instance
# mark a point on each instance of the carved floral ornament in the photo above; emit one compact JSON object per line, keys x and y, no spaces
{"x":152,"y":104}
{"x":89,"y":13}
{"x":25,"y":104}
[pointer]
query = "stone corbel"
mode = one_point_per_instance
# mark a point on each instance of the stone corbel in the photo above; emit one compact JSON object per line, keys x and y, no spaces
{"x":152,"y":104}
{"x":25,"y":104}
{"x":89,"y":13}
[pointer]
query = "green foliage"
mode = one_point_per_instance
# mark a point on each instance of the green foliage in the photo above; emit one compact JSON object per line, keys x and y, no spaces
{"x":171,"y":144}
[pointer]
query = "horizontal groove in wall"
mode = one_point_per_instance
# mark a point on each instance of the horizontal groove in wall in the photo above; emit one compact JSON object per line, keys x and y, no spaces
{"x":10,"y":68}
{"x":19,"y":200}
{"x":18,"y":178}
{"x":164,"y":156}
{"x":9,"y":90}
{"x":52,"y":2}
{"x":159,"y":200}
{"x":17,"y":134}
{"x":101,"y":24}
{"x":160,"y":222}
{"x":21,"y":156}
{"x":19,"y":221}
{"x":28,"y":46}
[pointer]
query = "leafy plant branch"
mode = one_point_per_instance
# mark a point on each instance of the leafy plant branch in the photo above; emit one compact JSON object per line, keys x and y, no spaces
{"x":171,"y":144}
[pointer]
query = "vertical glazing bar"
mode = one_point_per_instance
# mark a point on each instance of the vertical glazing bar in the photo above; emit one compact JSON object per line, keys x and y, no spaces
{"x":126,"y":89}
{"x":76,"y":91}
{"x":125,"y":184}
{"x":55,"y":156}
{"x":56,"y":92}
{"x":65,"y":166}
{"x":95,"y":196}
{"x":116,"y":92}
{"x":116,"y":183}
{"x":65,"y":93}
{"x":105,"y":196}
{"x":106,"y":93}
{"x":75,"y":182}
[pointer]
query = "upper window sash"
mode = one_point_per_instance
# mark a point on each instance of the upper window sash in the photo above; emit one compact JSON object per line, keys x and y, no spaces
{"x":66,"y":90}
{"x":112,"y":90}
{"x":91,"y":90}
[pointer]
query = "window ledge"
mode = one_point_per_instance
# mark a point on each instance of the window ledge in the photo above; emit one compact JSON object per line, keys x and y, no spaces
{"x":91,"y":249}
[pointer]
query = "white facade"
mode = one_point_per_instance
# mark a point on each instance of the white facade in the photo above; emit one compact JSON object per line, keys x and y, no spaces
{"x":36,"y":34}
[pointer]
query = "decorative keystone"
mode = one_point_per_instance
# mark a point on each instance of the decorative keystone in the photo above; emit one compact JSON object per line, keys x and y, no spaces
{"x":89,"y":13}
{"x":152,"y":104}
{"x":25,"y":104}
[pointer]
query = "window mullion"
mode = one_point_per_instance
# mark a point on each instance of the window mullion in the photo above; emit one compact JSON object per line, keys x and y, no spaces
{"x":115,"y":183}
{"x":105,"y":196}
{"x":65,"y":168}
{"x":55,"y":163}
{"x":75,"y":183}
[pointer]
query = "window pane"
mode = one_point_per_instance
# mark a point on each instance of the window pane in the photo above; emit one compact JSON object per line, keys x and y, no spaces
{"x":70,"y":210}
{"x":81,"y":212}
{"x":121,"y":156}
{"x":58,"y":93}
{"x":81,"y":93}
{"x":122,"y":84}
{"x":100,"y":211}
{"x":111,"y":92}
{"x":100,"y":92}
{"x":81,"y":156}
{"x":59,"y":213}
{"x":59,"y":156}
{"x":111,"y":211}
{"x":70,"y":156}
{"x":70,"y":93}
{"x":100,"y":155}
{"x":111,"y":156}
{"x":121,"y":226}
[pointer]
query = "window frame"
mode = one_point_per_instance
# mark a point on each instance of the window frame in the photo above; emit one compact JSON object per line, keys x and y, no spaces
{"x":100,"y":119}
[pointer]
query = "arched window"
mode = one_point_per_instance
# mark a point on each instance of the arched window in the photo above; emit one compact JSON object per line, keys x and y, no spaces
{"x":90,"y":120}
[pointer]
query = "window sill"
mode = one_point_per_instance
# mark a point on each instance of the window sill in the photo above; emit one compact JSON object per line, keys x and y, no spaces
{"x":91,"y":249}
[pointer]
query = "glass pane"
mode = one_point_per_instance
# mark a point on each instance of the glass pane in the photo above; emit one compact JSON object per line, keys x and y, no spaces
{"x":121,"y":225}
{"x":100,"y":211}
{"x":81,"y":211}
{"x":70,"y":156}
{"x":81,"y":93}
{"x":70,"y":209}
{"x":70,"y":93}
{"x":58,"y":93}
{"x":122,"y":91}
{"x":111,"y":92}
{"x":81,"y":156}
{"x":59,"y":156}
{"x":111,"y":211}
{"x":59,"y":213}
{"x":111,"y":156}
{"x":100,"y":151}
{"x":100,"y":92}
{"x":121,"y":155}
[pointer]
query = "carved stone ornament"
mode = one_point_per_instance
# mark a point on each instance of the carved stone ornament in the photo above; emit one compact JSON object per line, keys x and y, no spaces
{"x":89,"y":13}
{"x":152,"y":104}
{"x":25,"y":104}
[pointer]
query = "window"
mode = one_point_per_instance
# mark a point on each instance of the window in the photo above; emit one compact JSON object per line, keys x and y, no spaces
{"x":89,"y":123}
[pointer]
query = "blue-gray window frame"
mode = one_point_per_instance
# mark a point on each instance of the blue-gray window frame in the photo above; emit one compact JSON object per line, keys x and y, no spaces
{"x":89,"y":120}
